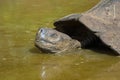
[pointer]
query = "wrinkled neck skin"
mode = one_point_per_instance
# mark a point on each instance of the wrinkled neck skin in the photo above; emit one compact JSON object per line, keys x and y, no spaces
{"x":53,"y":41}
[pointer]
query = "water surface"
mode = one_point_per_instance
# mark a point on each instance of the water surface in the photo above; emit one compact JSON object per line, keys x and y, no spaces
{"x":20,"y":60}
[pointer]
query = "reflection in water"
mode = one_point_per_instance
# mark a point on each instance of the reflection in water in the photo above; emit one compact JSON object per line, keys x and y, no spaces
{"x":43,"y":73}
{"x":76,"y":66}
{"x":20,"y":60}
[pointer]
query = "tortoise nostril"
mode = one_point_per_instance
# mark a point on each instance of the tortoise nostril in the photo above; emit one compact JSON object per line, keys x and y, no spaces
{"x":41,"y":30}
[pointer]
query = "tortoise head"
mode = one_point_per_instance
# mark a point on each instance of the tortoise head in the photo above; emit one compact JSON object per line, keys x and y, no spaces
{"x":51,"y":40}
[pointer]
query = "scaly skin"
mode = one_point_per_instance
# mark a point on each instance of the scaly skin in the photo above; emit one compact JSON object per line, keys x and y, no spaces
{"x":51,"y":40}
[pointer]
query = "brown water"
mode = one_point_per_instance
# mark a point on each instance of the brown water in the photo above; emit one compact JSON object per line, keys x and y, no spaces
{"x":20,"y":60}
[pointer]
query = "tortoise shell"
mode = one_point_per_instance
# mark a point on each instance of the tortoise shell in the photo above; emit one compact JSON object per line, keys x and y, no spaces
{"x":101,"y":23}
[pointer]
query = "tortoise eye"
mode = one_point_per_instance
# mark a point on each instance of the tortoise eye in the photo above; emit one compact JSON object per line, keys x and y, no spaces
{"x":54,"y":35}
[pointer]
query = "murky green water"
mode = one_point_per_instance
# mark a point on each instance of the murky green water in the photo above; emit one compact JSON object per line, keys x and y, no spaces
{"x":20,"y":60}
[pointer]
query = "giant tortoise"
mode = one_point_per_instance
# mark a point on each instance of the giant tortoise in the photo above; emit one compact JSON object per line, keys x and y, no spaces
{"x":98,"y":26}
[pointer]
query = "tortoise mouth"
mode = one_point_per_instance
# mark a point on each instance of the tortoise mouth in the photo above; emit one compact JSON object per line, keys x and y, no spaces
{"x":88,"y":39}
